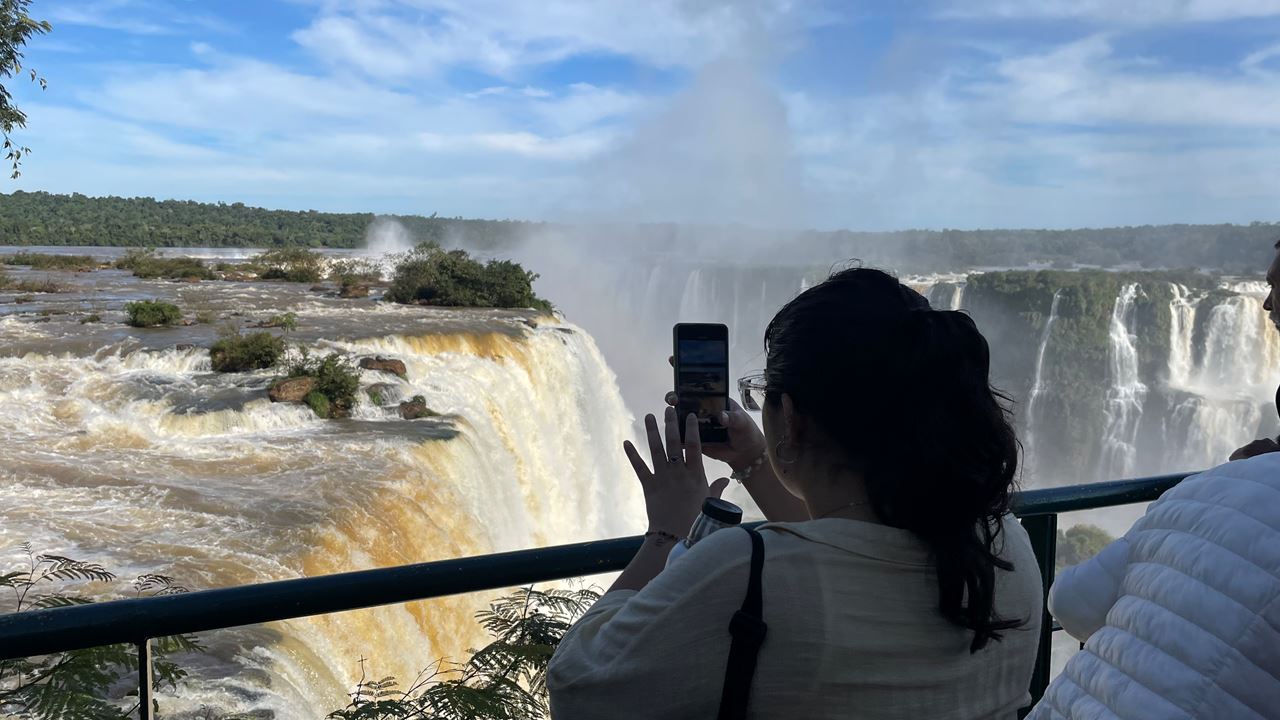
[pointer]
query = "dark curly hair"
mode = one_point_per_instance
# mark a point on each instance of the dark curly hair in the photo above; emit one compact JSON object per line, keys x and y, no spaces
{"x":904,"y":391}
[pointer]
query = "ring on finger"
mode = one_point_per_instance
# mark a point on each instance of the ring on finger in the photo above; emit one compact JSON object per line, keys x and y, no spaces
{"x":674,"y":459}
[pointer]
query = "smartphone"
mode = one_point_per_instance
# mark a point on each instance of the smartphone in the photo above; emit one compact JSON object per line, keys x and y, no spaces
{"x":702,"y":377}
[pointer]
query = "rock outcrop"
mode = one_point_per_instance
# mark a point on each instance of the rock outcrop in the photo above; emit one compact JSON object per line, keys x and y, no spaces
{"x":291,"y":389}
{"x":396,"y":367}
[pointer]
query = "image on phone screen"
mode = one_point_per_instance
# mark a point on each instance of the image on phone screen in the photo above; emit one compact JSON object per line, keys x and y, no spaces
{"x":702,"y":377}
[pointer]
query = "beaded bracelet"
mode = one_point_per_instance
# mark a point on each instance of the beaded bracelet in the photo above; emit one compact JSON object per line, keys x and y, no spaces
{"x":742,"y":475}
{"x":661,"y":535}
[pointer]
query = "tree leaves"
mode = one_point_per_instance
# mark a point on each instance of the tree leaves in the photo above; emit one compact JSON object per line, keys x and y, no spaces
{"x":79,"y":684}
{"x":504,"y":680}
{"x":16,"y":27}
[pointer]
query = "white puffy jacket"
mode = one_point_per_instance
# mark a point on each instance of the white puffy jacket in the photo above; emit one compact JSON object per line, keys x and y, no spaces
{"x":1182,"y":614}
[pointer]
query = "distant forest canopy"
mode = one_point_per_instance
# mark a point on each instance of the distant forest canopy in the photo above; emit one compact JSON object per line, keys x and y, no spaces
{"x":41,"y":218}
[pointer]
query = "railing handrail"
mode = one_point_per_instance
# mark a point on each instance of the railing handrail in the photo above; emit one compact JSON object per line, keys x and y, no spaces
{"x":42,"y":632}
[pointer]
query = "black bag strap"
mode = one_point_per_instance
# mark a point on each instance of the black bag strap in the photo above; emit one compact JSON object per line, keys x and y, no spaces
{"x":748,"y":630}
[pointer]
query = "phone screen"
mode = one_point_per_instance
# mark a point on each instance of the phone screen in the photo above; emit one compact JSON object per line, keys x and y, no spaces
{"x":702,"y":377}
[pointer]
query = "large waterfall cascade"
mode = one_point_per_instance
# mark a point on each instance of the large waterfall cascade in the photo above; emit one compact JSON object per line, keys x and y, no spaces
{"x":1127,"y":393}
{"x":134,"y":454}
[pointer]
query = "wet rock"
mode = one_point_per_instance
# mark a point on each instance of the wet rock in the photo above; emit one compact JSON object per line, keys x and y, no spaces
{"x":318,"y":288}
{"x":291,"y":389}
{"x":181,"y":347}
{"x":380,"y":393}
{"x":416,"y":408}
{"x":354,"y":291}
{"x":384,"y":364}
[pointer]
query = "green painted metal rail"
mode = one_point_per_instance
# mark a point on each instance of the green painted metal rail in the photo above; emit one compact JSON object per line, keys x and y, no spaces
{"x":138,"y":621}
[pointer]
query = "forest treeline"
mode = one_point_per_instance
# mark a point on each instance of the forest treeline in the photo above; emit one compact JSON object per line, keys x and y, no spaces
{"x":39,"y":218}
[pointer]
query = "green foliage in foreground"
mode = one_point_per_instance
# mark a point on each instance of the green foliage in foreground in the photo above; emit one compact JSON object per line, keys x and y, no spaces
{"x":147,"y":264}
{"x":430,"y":275}
{"x":79,"y":685}
{"x":16,"y":27}
{"x":152,"y":313}
{"x":505,"y":680}
{"x":239,"y":353}
{"x":1079,"y":543}
{"x":337,"y":381}
{"x":47,"y":261}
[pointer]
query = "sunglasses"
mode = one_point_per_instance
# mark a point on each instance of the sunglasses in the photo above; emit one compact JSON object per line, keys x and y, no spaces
{"x":751,"y":390}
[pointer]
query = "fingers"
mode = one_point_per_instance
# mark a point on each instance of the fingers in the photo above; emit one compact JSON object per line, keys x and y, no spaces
{"x":656,"y":452}
{"x":692,"y":443}
{"x":674,"y":452}
{"x":735,"y":416}
{"x":637,"y":462}
{"x":717,"y":488}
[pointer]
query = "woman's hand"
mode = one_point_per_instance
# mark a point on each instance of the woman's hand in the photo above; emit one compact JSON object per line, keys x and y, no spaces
{"x":676,"y":486}
{"x":746,"y":441}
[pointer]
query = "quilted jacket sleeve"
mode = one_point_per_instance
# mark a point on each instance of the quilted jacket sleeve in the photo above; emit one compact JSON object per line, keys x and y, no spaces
{"x":1082,"y":595}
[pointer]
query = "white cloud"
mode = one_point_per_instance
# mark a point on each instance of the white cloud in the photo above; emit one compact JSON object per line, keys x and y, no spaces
{"x":1124,"y":12}
{"x":136,"y":17}
{"x":526,"y":144}
{"x":1085,"y":83}
{"x":407,"y":38}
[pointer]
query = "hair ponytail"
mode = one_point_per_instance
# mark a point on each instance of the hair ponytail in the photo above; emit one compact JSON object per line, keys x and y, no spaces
{"x":905,"y":390}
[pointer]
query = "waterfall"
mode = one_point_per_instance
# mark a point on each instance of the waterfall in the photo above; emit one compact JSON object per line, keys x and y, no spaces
{"x":146,"y":461}
{"x":1037,"y":383}
{"x":1182,"y":322}
{"x":1221,"y":381}
{"x":1124,"y":400}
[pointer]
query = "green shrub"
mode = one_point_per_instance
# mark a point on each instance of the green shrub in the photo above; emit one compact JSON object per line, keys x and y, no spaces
{"x":355,"y":271}
{"x":336,"y":379}
{"x":375,"y":397}
{"x":287,"y":322}
{"x":95,"y":317}
{"x":28,"y":285}
{"x":318,"y":403}
{"x":239,"y":353}
{"x":147,"y":264}
{"x":150,"y":313}
{"x":44,"y":261}
{"x":1079,"y":543}
{"x":295,"y":264}
{"x":430,"y":275}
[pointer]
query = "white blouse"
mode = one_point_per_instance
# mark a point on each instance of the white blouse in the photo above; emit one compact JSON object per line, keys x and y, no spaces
{"x":854,"y":632}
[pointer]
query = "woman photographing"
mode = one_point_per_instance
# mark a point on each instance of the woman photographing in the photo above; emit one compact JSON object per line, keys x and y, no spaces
{"x":894,"y":583}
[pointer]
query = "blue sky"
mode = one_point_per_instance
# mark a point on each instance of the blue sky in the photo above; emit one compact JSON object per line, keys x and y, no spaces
{"x":865,"y":115}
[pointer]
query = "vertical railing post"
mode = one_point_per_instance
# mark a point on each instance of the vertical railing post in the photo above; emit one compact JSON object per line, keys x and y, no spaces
{"x":1043,"y":531}
{"x":144,"y":680}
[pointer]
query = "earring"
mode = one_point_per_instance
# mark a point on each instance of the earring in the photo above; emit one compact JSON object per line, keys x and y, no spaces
{"x":777,"y":452}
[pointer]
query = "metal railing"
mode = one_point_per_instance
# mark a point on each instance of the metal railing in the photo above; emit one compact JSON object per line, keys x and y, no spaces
{"x":140,"y":620}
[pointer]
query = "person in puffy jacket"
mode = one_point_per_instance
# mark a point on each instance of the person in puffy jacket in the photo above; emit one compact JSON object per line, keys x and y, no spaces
{"x":1181,"y":616}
